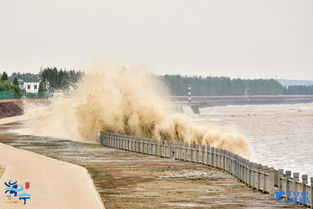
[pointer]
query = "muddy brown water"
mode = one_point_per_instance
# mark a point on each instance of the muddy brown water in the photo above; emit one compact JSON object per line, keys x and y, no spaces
{"x":131,"y":180}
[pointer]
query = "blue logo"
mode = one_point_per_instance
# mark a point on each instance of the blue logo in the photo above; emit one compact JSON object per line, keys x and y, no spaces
{"x":16,"y":193}
{"x":291,"y":197}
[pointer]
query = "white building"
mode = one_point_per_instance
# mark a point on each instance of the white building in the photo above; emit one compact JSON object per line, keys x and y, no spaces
{"x":29,"y":87}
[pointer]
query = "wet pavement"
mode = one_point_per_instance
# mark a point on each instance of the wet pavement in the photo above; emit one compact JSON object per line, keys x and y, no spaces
{"x":131,"y":180}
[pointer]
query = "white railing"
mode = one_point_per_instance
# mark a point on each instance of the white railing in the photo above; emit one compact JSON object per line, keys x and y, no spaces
{"x":257,"y":176}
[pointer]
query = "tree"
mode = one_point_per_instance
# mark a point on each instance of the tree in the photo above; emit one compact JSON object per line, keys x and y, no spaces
{"x":15,"y":82}
{"x":220,"y":86}
{"x":4,"y":76}
{"x":53,"y":79}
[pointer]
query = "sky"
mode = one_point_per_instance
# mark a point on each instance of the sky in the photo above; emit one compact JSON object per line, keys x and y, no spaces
{"x":236,"y":38}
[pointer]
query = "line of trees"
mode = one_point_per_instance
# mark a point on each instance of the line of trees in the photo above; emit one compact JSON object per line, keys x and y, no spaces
{"x":299,"y":90}
{"x":53,"y":79}
{"x":224,"y":86}
{"x":7,"y":87}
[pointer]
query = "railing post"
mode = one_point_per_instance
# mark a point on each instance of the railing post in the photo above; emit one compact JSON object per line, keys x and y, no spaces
{"x":304,"y":190}
{"x":155,"y":147}
{"x":191,"y":152}
{"x":181,"y":156}
{"x":231,"y":163}
{"x":252,"y":167}
{"x":271,"y":183}
{"x":130,"y":144}
{"x":225,"y":155}
{"x":144,"y":146}
{"x":197,"y":153}
{"x":123,"y":142}
{"x":244,"y":170}
{"x":219,"y":158}
{"x":265,"y":170}
{"x":213,"y":156}
{"x":161,"y":148}
{"x":115,"y":141}
{"x":208,"y":154}
{"x":171,"y":149}
{"x":126,"y":143}
{"x":138,"y":144}
{"x":230,"y":159}
{"x":259,"y":176}
{"x":151,"y":146}
{"x":226,"y":160}
{"x":165,"y":148}
{"x":141,"y":145}
{"x":311,"y":192}
{"x":148,"y":146}
{"x":135,"y":144}
{"x":241,"y":162}
{"x":186,"y":151}
{"x":288,"y":176}
{"x":295,"y":184}
{"x":174,"y":150}
{"x":250,"y":174}
{"x":246,"y":164}
{"x":241,"y":174}
{"x":202,"y":153}
{"x":153,"y":142}
{"x":236,"y":166}
{"x":178,"y":150}
{"x":279,"y":180}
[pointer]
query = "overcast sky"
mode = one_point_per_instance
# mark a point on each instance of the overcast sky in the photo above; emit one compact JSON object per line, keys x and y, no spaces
{"x":245,"y":38}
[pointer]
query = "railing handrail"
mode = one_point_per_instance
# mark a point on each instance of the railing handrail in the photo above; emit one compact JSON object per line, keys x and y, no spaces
{"x":257,"y":176}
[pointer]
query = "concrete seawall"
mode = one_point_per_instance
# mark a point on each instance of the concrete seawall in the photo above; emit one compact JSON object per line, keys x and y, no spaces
{"x":209,"y":101}
{"x":15,"y":107}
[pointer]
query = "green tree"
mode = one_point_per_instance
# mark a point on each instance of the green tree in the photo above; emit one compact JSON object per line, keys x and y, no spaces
{"x":15,"y":82}
{"x":4,"y":76}
{"x":53,"y":79}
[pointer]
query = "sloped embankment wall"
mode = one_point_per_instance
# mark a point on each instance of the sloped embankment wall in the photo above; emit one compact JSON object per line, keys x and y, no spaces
{"x":15,"y":107}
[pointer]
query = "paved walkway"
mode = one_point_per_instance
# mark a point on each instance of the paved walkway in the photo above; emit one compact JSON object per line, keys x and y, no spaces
{"x":53,"y":184}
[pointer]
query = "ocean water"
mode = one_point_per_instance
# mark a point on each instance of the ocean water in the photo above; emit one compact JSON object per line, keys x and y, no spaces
{"x":281,"y":135}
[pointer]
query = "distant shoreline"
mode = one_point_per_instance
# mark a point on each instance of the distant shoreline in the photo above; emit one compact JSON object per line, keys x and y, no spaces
{"x":211,"y":101}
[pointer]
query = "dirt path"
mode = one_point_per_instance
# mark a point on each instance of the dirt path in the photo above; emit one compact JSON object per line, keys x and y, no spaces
{"x":130,"y":180}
